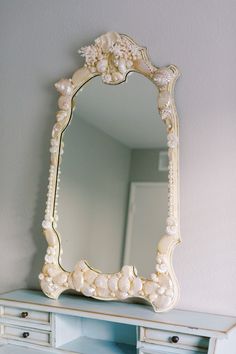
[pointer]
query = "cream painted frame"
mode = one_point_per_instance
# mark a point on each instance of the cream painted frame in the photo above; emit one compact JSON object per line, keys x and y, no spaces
{"x":113,"y":56}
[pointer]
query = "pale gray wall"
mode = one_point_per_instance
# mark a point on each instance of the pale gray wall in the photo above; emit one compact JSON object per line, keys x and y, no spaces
{"x":39,"y":40}
{"x":93,"y":197}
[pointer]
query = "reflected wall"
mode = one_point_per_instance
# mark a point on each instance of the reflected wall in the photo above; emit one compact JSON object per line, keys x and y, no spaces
{"x":114,"y":139}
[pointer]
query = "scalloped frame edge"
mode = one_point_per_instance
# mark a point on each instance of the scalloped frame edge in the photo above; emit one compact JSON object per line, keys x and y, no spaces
{"x":113,"y":57}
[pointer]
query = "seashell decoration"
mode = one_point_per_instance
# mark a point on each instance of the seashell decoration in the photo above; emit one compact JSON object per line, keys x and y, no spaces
{"x":113,"y":56}
{"x":78,"y":280}
{"x":171,"y":226}
{"x":161,"y":265}
{"x":136,"y":285}
{"x":64,"y":102}
{"x":120,"y":285}
{"x":87,"y":290}
{"x":172,"y":140}
{"x":113,"y":283}
{"x":61,"y":115}
{"x":122,"y":296}
{"x":124,"y":284}
{"x":107,"y":40}
{"x":102,"y":292}
{"x":90,"y":276}
{"x":65,"y":87}
{"x":150,"y":287}
{"x":165,"y":113}
{"x":102,"y":65}
{"x":163,"y":76}
{"x":60,"y":278}
{"x":164,"y":100}
{"x":101,"y":282}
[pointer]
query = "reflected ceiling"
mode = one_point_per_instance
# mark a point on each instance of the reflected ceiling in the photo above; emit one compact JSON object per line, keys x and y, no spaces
{"x":123,"y":107}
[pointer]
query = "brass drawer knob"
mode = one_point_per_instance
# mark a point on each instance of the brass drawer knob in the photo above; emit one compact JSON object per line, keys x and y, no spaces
{"x":25,"y":334}
{"x":24,"y":314}
{"x":174,"y":339}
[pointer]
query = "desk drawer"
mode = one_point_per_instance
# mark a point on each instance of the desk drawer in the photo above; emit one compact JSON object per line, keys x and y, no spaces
{"x":160,"y":350}
{"x":25,"y":334}
{"x":173,"y":339}
{"x":26,"y":316}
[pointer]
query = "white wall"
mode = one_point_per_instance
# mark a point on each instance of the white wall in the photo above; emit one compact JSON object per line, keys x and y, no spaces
{"x":39,"y":40}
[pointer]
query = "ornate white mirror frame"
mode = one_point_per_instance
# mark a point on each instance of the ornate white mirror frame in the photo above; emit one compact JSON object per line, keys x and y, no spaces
{"x":113,"y":56}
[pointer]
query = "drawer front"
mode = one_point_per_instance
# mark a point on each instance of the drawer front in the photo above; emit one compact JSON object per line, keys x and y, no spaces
{"x":25,"y":334}
{"x":26,"y":315}
{"x":145,"y":348}
{"x":162,"y":351}
{"x":173,"y":339}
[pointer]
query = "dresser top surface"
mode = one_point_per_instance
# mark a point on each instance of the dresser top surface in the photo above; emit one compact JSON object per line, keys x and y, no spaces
{"x":82,"y":306}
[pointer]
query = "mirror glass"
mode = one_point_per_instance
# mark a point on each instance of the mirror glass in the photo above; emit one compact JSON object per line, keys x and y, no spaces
{"x":112,"y":202}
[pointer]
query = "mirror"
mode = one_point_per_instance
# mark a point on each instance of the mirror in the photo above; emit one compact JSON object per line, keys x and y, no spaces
{"x":117,"y":218}
{"x":114,"y":140}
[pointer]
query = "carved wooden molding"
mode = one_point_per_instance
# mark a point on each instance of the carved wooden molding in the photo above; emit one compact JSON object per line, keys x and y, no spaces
{"x":113,"y":56}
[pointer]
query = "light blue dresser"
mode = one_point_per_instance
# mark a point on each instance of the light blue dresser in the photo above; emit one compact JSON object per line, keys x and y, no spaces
{"x":32,"y":324}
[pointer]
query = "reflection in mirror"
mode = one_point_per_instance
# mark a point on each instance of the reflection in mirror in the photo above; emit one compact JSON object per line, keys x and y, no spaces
{"x":113,"y":185}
